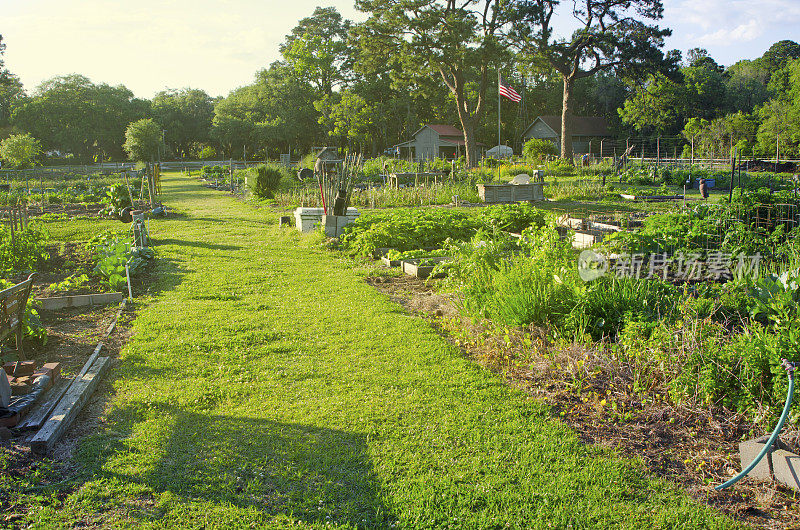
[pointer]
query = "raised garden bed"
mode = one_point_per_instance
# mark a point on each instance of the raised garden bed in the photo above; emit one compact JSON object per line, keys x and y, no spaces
{"x":420,"y":268}
{"x":499,"y":193}
{"x":651,"y":198}
{"x":390,"y":262}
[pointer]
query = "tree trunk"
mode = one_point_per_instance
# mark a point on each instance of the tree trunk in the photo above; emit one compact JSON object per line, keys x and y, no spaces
{"x":566,"y":119}
{"x":468,"y":126}
{"x":470,"y":143}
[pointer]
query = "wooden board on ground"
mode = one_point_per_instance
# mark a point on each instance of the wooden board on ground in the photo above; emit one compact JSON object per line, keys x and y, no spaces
{"x":42,"y":410}
{"x":69,"y":407}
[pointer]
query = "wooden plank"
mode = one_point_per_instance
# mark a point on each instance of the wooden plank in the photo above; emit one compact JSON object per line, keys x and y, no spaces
{"x":42,"y":411}
{"x":90,"y":361}
{"x":69,"y":407}
{"x":116,"y":319}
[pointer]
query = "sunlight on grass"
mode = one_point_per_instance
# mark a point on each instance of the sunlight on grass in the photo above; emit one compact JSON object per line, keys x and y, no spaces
{"x":267,"y":384}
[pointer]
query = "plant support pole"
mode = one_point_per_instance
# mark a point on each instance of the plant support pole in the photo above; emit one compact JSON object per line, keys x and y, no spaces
{"x":499,"y":103}
{"x":128,"y":276}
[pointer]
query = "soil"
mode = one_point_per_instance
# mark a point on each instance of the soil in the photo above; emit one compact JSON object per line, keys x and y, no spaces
{"x":695,"y":448}
{"x":72,"y":335}
{"x":67,"y":259}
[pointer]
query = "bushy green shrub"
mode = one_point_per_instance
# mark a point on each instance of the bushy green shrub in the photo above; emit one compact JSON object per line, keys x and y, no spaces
{"x":265,"y":179}
{"x":536,"y":150}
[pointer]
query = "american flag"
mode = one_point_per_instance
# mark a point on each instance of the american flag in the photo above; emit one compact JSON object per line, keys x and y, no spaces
{"x":507,"y":91}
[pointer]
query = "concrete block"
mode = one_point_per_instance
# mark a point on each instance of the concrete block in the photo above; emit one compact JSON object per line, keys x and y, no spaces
{"x":786,"y":467}
{"x":52,"y":369}
{"x":334,"y":224}
{"x":749,"y":449}
{"x":779,"y":464}
{"x":307,"y":219}
{"x":20,"y":387}
{"x":80,"y":300}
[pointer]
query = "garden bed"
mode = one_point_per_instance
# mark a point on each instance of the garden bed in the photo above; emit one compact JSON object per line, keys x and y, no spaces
{"x":72,"y":335}
{"x":694,"y":447}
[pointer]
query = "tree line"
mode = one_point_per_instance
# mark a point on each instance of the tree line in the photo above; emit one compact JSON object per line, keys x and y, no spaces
{"x":369,"y":86}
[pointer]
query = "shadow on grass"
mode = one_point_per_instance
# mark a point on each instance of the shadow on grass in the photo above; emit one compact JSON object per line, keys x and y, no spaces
{"x":195,"y":244}
{"x":165,"y":275}
{"x":314,"y":474}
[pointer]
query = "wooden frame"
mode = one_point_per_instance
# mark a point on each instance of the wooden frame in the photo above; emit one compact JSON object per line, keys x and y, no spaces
{"x":12,"y":312}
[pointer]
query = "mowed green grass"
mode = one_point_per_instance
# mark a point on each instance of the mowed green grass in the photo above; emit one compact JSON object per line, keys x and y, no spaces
{"x":267,"y":385}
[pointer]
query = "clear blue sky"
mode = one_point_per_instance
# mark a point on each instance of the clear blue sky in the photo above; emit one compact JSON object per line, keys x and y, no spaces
{"x":149,"y":45}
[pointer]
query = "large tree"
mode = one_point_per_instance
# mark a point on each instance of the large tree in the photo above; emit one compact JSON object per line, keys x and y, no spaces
{"x":613,"y":36}
{"x":11,"y":92}
{"x":457,"y":41}
{"x":74,"y":115}
{"x":185,"y":115}
{"x":317,"y":51}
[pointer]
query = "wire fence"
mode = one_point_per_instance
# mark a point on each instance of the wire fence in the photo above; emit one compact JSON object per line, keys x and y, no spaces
{"x":717,"y":238}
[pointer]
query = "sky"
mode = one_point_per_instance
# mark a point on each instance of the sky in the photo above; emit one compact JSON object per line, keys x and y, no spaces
{"x":151,"y":45}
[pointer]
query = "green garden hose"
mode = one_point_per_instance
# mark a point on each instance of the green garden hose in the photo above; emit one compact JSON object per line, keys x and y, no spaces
{"x":790,"y":368}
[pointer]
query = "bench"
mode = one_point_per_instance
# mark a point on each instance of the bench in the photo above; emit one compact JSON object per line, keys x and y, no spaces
{"x":12,"y":312}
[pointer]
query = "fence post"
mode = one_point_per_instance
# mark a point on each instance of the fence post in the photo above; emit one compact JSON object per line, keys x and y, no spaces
{"x":733,"y":174}
{"x":658,"y":151}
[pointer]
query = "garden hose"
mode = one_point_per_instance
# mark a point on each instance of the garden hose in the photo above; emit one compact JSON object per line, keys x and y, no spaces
{"x":790,"y":367}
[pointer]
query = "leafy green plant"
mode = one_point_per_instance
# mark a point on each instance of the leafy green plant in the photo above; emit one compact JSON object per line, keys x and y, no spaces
{"x":406,"y":229}
{"x":70,"y":283}
{"x":512,"y":217}
{"x":26,"y":252}
{"x":113,"y":254}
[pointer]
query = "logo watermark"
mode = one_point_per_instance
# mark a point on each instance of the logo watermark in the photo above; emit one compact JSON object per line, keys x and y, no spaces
{"x":680,"y":267}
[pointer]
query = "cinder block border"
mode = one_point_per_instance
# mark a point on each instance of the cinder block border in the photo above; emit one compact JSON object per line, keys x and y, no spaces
{"x":80,"y":300}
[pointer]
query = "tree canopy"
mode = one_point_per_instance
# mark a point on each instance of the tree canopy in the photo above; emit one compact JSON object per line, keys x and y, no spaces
{"x":612,"y":36}
{"x":143,"y":140}
{"x":72,"y":114}
{"x":185,"y":115}
{"x":20,"y":150}
{"x":458,"y":41}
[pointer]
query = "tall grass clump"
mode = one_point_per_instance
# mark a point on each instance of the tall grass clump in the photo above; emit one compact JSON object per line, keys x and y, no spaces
{"x":265,"y":179}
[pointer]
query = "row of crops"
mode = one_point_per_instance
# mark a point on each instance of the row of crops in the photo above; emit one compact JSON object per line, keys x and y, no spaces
{"x":706,"y":340}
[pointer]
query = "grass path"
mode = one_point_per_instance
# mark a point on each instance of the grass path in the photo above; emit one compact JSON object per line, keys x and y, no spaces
{"x":266,"y":385}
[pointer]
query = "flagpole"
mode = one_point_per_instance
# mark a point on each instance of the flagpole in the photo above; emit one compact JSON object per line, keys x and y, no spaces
{"x":498,"y":121}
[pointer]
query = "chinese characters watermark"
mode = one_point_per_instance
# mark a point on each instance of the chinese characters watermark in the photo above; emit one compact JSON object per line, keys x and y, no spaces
{"x":680,"y":267}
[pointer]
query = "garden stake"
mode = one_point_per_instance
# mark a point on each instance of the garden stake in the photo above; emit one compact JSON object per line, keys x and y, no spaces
{"x":128,"y":276}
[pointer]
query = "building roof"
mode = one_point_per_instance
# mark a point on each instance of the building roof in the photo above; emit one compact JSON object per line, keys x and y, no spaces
{"x":444,"y":130}
{"x":581,"y":125}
